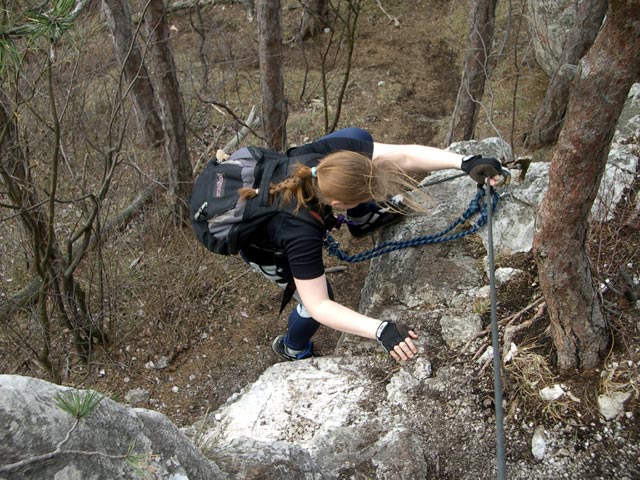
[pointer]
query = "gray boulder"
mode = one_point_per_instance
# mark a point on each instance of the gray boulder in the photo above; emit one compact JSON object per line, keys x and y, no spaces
{"x":40,"y":440}
{"x":353,"y":416}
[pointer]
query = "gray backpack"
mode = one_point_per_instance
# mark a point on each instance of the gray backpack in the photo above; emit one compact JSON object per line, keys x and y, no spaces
{"x":219,"y":219}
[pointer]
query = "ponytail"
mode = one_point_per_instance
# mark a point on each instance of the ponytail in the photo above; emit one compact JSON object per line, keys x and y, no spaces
{"x":348,"y":177}
{"x":298,"y":186}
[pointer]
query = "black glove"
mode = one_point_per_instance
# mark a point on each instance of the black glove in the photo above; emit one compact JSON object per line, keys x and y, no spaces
{"x":390,"y":334}
{"x":479,"y":168}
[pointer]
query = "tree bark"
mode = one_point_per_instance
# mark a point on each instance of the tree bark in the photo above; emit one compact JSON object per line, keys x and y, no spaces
{"x":118,"y":20}
{"x":605,"y":76}
{"x":274,"y":103}
{"x":315,"y":17}
{"x":171,"y":110}
{"x":476,"y":71}
{"x":548,"y":120}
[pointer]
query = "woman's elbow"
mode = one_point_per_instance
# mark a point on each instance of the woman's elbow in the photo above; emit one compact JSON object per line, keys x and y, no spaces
{"x":318,"y":309}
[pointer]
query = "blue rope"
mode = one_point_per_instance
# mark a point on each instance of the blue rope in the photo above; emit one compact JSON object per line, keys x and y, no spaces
{"x":333,"y":247}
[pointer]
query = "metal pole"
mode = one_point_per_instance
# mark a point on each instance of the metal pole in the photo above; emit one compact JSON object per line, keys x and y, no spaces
{"x":497,"y":380}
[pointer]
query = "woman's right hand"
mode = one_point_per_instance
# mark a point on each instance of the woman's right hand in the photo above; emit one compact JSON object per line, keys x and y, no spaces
{"x":396,"y":339}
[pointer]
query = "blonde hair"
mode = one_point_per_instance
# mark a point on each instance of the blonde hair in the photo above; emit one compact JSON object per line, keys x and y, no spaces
{"x":345,"y":176}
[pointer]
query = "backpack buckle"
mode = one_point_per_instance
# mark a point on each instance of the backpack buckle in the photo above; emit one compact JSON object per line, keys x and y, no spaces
{"x":196,"y":216}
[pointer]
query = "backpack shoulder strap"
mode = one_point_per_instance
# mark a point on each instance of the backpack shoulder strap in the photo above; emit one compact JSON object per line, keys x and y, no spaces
{"x":274,"y":167}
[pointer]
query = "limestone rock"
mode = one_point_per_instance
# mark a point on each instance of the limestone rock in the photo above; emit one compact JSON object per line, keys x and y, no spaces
{"x":38,"y":437}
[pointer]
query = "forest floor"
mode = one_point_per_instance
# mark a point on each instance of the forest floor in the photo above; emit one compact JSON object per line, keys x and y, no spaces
{"x":192,"y":328}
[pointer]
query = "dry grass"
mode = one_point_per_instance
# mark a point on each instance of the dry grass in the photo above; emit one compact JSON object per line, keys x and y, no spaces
{"x":529,"y":372}
{"x":620,"y":377}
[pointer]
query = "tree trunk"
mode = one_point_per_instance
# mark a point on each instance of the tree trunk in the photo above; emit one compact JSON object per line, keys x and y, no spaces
{"x":274,"y":104}
{"x":171,"y":110}
{"x":118,"y":20}
{"x":19,"y":186}
{"x":28,"y":295}
{"x":350,"y":23}
{"x":45,"y":256}
{"x":605,"y":76}
{"x":476,"y":71}
{"x":315,"y":17}
{"x":548,"y":119}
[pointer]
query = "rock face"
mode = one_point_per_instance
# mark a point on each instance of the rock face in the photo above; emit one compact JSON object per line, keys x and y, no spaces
{"x":326,"y":418}
{"x":359,"y":414}
{"x":549,"y":23}
{"x":39,"y":440}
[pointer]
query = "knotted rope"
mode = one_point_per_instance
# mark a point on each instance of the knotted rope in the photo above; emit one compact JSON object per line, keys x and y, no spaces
{"x":333,"y":247}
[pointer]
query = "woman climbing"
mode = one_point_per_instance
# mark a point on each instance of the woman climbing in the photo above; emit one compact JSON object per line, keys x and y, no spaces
{"x":356,"y":175}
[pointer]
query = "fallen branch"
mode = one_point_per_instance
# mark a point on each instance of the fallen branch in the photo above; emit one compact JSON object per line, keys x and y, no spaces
{"x":394,"y":20}
{"x":182,"y":4}
{"x":335,"y":269}
{"x":24,"y":297}
{"x":248,"y":125}
{"x":230,"y":282}
{"x":123,"y":218}
{"x":480,"y":351}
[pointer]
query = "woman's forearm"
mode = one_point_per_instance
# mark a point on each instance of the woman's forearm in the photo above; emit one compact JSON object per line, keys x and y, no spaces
{"x":416,"y":158}
{"x":341,"y":318}
{"x":315,"y":298}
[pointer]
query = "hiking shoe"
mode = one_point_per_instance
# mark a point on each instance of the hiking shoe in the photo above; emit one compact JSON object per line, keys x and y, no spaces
{"x":286,"y":353}
{"x":373,"y":222}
